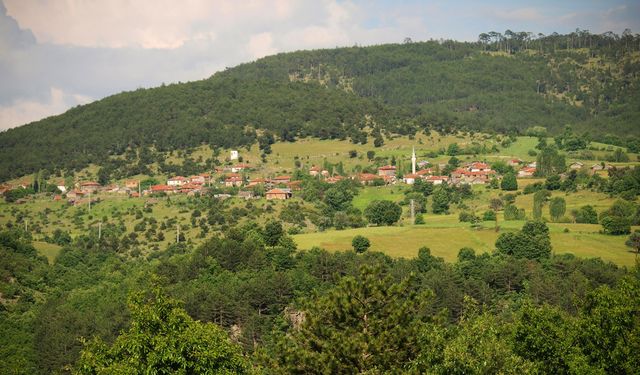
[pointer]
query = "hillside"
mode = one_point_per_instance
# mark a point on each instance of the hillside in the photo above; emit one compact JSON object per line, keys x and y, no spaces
{"x":496,"y":85}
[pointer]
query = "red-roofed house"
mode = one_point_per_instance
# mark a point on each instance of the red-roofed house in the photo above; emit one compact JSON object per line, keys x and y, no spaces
{"x":278,"y":194}
{"x":233,"y":181}
{"x":161,"y":189}
{"x":437,"y":180}
{"x":334,"y":179}
{"x":387,"y":170}
{"x":257,"y":181}
{"x":281,"y":179}
{"x":477,"y":166}
{"x":410,"y":178}
{"x":527,"y":172}
{"x":314,"y":171}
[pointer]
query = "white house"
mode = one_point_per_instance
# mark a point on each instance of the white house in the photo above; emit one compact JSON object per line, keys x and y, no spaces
{"x":176,"y":181}
{"x":234,"y":155}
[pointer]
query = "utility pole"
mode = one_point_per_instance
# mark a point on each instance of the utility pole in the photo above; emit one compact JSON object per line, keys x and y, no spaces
{"x":89,"y":201}
{"x":26,"y":225}
{"x":99,"y":230}
{"x":178,"y":233}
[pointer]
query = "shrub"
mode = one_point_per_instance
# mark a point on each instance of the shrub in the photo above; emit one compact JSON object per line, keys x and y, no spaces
{"x":360,"y":244}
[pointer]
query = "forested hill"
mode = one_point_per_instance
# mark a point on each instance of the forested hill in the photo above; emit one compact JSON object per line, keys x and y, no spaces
{"x":502,"y":83}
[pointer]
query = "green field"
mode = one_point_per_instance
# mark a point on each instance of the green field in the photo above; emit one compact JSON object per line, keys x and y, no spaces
{"x":48,"y":250}
{"x":404,"y":241}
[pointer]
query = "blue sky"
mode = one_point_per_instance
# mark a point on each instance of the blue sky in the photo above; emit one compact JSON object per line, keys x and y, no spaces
{"x":57,"y":54}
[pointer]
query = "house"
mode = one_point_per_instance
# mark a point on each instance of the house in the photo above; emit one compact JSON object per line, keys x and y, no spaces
{"x":176,"y":181}
{"x":233,"y":155}
{"x":233,"y":181}
{"x":281,"y":179}
{"x":474,"y":174}
{"x":314,"y":171}
{"x":239,"y":168}
{"x":89,"y":187}
{"x":258,"y":181}
{"x":576,"y":165}
{"x":437,"y":180}
{"x":367,"y":178}
{"x":533,"y":164}
{"x":278,"y":194}
{"x":514,"y":162}
{"x":334,"y":179}
{"x":75,"y":194}
{"x":423,"y":163}
{"x":187,"y":188}
{"x":387,"y":170}
{"x":113,"y":188}
{"x":57,"y":197}
{"x":131,"y":184}
{"x":61,"y":187}
{"x":197,"y":180}
{"x":527,"y":172}
{"x":134,"y":195}
{"x":324,"y":173}
{"x":160,"y":189}
{"x":206,"y":177}
{"x":424,"y":172}
{"x":410,"y":178}
{"x":477,"y":166}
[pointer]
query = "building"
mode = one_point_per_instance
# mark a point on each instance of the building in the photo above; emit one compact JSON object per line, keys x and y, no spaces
{"x":576,"y":165}
{"x":477,"y":166}
{"x":410,"y":178}
{"x":176,"y":181}
{"x":131,"y":184}
{"x":240,"y":167}
{"x":314,"y":171}
{"x":258,"y":181}
{"x":527,"y":172}
{"x":90,"y":187}
{"x":413,"y":161}
{"x":334,"y":179}
{"x":281,"y":179}
{"x":61,"y":187}
{"x":160,"y":189}
{"x":367,"y":178}
{"x":233,"y":181}
{"x":197,"y":180}
{"x":234,"y":155}
{"x":281,"y":194}
{"x":387,"y":170}
{"x":437,"y":180}
{"x":514,"y":162}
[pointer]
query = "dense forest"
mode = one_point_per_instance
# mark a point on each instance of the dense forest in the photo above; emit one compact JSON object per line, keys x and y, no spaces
{"x":504,"y":83}
{"x":247,"y":300}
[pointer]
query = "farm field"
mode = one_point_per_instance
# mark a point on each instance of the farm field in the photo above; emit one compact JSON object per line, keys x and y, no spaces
{"x":445,"y":241}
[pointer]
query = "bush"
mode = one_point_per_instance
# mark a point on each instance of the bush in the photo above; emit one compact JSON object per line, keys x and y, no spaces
{"x":419,"y":219}
{"x":489,"y":216}
{"x":360,"y":244}
{"x":585,"y":215}
{"x":468,"y":217}
{"x":511,"y":212}
{"x":616,"y":225}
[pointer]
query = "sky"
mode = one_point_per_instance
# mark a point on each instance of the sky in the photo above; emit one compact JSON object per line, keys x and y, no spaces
{"x":57,"y":54}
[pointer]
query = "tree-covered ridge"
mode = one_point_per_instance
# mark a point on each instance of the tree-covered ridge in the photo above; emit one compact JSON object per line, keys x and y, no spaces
{"x":503,"y":84}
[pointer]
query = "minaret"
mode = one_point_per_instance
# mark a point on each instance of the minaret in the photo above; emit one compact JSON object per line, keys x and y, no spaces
{"x":413,"y":161}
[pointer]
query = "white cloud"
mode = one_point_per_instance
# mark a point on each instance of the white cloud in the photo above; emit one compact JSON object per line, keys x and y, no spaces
{"x":25,"y":111}
{"x":522,"y":14}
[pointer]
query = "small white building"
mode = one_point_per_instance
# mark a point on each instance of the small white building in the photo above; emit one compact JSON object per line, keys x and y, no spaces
{"x":234,"y":155}
{"x":176,"y":181}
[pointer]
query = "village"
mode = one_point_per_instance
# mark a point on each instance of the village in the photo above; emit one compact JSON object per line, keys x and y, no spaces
{"x":242,"y":180}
